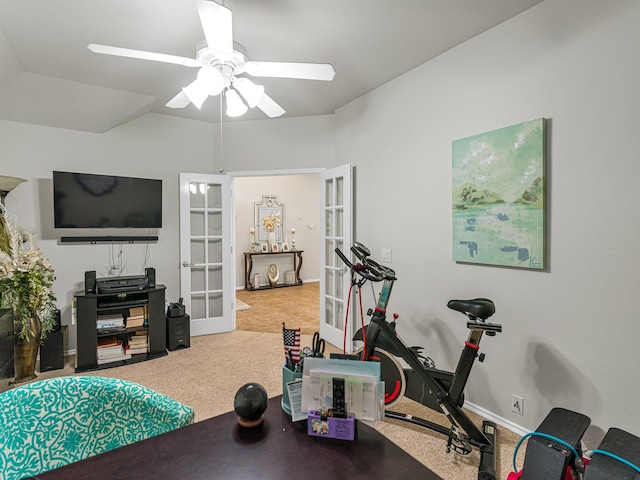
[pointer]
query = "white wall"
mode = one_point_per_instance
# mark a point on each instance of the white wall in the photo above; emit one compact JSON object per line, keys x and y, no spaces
{"x":154,"y":146}
{"x":570,"y":331}
{"x":300,"y":196}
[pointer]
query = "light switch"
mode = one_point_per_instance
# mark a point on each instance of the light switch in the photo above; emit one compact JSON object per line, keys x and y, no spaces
{"x":385,"y":254}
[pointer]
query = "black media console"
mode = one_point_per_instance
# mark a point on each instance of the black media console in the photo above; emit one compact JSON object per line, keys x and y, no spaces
{"x":92,"y":306}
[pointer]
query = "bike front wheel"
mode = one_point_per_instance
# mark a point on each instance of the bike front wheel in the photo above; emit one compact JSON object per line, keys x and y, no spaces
{"x":391,"y":373}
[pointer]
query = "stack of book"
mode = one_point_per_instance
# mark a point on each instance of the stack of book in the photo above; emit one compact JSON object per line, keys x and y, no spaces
{"x":138,"y":343}
{"x":110,"y":349}
{"x":136,"y":317}
{"x":106,"y":321}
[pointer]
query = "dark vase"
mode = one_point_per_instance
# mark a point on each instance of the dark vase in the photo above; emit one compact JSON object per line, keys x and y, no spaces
{"x":26,"y":351}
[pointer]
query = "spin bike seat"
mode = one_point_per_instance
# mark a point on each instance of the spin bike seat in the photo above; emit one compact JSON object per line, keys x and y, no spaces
{"x":481,"y":308}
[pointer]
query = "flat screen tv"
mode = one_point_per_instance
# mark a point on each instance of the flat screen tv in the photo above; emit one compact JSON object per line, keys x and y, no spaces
{"x":82,"y":200}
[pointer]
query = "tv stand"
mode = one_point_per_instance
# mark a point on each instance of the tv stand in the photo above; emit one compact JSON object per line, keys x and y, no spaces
{"x":90,"y":305}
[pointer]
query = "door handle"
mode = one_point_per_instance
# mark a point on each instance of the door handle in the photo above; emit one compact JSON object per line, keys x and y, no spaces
{"x":187,"y":264}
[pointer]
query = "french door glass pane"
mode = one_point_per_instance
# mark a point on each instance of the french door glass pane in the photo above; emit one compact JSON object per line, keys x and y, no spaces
{"x":197,"y":251}
{"x":328,"y":311}
{"x":215,"y":304}
{"x":198,"y":306}
{"x":196,"y":195}
{"x":328,"y":193}
{"x":214,"y":223}
{"x":197,"y":279}
{"x":339,"y":319}
{"x":197,"y":223}
{"x":329,"y":253}
{"x":215,"y":278}
{"x":214,"y":196}
{"x":339,"y":191}
{"x":339,"y":282}
{"x":328,"y":223}
{"x":215,"y":250}
{"x":339,"y":215}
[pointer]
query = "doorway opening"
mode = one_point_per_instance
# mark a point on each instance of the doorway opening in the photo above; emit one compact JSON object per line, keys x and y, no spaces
{"x":265,"y":309}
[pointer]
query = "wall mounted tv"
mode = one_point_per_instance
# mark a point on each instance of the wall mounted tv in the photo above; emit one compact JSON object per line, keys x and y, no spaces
{"x":82,"y":200}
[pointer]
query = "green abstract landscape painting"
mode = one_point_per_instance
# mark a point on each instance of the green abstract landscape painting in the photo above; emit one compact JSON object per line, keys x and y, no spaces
{"x":499,"y":196}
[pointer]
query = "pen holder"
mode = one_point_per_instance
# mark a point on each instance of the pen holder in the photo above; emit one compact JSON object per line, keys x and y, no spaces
{"x":288,"y":376}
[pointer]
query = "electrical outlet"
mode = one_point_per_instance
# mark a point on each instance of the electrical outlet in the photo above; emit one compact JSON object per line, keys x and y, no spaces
{"x":517,"y":404}
{"x":385,"y":254}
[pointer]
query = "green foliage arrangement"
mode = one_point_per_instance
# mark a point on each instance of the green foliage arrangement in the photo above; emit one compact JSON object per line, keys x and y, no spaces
{"x":26,"y":279}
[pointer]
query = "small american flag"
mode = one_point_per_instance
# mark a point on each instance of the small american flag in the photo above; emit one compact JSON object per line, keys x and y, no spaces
{"x":291,"y":337}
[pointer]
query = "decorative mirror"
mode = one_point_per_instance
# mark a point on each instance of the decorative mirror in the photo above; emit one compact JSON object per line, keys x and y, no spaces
{"x":268,"y":218}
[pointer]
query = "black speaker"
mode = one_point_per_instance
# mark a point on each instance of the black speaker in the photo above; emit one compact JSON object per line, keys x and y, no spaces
{"x":57,"y":319}
{"x":52,"y":351}
{"x":178,"y":332}
{"x":90,"y":282}
{"x":150,"y":273}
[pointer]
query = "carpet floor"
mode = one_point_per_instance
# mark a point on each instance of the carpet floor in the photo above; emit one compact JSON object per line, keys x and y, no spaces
{"x":207,"y":376}
{"x":298,"y":307}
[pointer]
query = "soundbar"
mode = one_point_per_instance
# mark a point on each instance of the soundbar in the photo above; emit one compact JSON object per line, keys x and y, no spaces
{"x":109,"y":239}
{"x":122,"y":284}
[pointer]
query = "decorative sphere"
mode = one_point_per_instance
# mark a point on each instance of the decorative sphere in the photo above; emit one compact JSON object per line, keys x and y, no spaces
{"x":252,"y":230}
{"x":250,"y":404}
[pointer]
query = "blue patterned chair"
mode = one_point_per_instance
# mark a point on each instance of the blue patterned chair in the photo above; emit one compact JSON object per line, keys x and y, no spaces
{"x":51,"y":423}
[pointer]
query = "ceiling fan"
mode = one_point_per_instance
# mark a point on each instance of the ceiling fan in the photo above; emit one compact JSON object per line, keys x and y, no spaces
{"x":220,"y":65}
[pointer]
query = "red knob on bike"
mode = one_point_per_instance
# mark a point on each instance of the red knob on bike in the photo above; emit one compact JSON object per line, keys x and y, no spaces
{"x":395,"y":316}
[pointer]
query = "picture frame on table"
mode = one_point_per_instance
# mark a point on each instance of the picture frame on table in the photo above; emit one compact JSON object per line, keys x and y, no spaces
{"x":275,"y":248}
{"x":285,"y":247}
{"x":264,"y":248}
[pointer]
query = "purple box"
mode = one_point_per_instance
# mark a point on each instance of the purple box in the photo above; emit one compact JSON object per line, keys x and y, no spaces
{"x":331,"y":427}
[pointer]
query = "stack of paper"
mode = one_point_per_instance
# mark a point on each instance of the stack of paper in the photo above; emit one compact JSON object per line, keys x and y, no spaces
{"x":110,"y":349}
{"x":108,"y":320}
{"x":364,"y":392}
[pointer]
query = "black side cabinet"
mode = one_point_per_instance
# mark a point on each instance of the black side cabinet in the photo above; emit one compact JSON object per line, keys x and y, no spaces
{"x":90,"y":305}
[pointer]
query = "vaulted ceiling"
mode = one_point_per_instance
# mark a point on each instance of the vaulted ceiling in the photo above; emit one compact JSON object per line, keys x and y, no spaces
{"x":49,"y":77}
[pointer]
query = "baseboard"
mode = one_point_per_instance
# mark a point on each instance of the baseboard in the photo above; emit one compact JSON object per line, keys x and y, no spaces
{"x":508,"y":424}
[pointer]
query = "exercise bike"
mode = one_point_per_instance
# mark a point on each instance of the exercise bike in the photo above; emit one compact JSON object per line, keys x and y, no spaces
{"x":439,"y":390}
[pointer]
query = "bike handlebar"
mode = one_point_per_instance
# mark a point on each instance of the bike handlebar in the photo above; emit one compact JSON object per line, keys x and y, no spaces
{"x":368,"y":269}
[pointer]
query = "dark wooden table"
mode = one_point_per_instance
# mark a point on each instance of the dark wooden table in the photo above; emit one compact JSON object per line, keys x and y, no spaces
{"x":278,"y":450}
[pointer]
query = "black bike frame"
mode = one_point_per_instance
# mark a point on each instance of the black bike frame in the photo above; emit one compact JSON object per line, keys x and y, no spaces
{"x":379,"y":333}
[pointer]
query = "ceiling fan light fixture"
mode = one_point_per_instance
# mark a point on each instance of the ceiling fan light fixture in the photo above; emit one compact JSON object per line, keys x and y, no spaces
{"x":235,"y":105}
{"x":211,"y":80}
{"x":196,"y":93}
{"x":251,"y":92}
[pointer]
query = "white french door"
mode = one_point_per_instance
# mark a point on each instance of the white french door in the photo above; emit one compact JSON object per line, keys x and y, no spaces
{"x":336,"y":214}
{"x":206,"y":263}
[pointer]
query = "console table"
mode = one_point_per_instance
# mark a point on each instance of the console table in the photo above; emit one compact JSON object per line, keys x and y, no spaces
{"x":248,"y":266}
{"x":218,"y":448}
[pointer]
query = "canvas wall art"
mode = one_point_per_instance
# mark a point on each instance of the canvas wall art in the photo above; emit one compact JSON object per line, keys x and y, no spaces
{"x":499,"y":196}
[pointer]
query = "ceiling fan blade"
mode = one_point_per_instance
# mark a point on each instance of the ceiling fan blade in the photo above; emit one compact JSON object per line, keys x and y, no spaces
{"x":217,"y":26}
{"x":179,"y":101}
{"x":157,"y":57}
{"x":303,"y":71}
{"x":270,"y":107}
